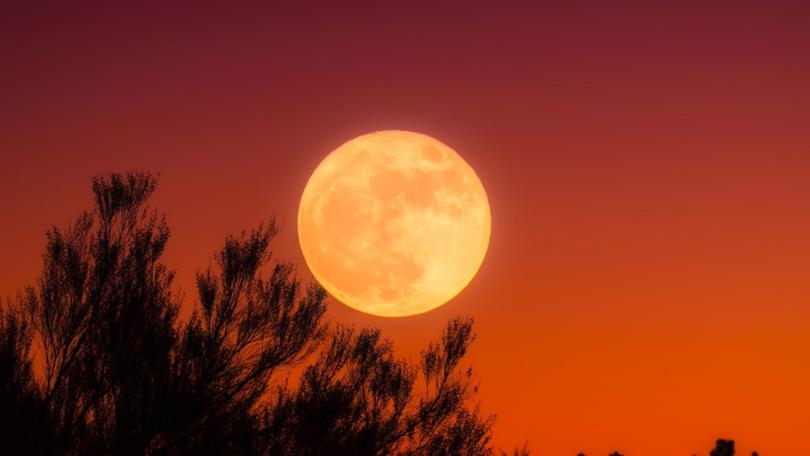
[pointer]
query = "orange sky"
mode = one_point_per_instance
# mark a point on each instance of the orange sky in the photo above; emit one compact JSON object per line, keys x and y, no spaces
{"x":648,"y":168}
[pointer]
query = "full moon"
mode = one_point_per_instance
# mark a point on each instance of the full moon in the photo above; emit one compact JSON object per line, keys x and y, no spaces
{"x":394,"y":223}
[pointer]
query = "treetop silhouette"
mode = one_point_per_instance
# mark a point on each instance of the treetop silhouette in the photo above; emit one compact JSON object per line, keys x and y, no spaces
{"x":123,"y":375}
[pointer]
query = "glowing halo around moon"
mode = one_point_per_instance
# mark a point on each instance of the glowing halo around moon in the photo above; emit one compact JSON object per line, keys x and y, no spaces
{"x":394,"y":223}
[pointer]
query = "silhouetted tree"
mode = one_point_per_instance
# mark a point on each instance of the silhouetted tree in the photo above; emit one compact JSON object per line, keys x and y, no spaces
{"x":121,"y":374}
{"x":616,"y":453}
{"x":723,"y":448}
{"x":105,"y":316}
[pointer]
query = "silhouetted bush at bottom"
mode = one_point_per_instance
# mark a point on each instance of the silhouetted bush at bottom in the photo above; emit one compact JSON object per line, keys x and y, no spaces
{"x":722,"y":447}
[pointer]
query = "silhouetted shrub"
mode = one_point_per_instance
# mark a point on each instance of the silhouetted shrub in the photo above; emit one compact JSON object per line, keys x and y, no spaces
{"x":122,"y":375}
{"x":723,"y":448}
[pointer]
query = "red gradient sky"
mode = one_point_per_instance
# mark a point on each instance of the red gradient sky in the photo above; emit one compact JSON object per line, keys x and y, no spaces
{"x":647,"y":286}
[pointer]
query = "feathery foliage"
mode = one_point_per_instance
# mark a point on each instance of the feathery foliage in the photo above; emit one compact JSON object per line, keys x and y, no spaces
{"x":122,"y":375}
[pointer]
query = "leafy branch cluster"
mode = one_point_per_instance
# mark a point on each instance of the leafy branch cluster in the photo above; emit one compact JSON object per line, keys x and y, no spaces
{"x":121,"y":374}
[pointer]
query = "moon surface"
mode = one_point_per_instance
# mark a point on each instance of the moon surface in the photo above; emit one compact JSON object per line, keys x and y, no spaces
{"x":394,"y":223}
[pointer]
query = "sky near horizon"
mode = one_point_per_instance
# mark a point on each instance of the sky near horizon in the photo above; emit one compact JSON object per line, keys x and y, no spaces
{"x":647,"y":164}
